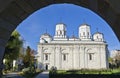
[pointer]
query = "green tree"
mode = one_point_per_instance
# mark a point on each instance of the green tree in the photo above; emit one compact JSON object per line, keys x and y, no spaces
{"x":12,"y":48}
{"x":28,"y":58}
{"x":117,"y":59}
{"x":111,"y":62}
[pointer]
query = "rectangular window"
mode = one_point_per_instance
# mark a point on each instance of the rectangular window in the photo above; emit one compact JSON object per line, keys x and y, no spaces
{"x":97,"y":37}
{"x":88,"y":33}
{"x":46,"y":56}
{"x":83,"y":33}
{"x":60,"y":32}
{"x":64,"y":57}
{"x":91,"y":56}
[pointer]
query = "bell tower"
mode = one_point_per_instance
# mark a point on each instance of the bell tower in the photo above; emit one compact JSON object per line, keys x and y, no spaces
{"x":84,"y":32}
{"x":60,"y":32}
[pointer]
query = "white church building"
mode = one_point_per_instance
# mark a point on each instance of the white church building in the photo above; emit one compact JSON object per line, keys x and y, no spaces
{"x":86,"y":52}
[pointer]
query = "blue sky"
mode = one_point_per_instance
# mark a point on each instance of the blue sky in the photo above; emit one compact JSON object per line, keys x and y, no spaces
{"x":72,"y":15}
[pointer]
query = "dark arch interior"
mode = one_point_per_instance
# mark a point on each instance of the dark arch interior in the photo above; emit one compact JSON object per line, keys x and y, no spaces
{"x":17,"y":10}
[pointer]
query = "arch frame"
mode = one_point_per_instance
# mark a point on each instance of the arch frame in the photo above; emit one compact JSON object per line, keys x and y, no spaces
{"x":13,"y":12}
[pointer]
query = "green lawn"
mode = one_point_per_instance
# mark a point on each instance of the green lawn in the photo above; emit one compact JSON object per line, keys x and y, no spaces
{"x":110,"y":73}
{"x":86,"y":71}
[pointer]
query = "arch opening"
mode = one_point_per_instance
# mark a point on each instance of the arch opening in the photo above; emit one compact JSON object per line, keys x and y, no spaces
{"x":13,"y":13}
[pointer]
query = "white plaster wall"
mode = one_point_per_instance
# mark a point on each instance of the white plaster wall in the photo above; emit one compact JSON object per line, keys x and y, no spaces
{"x":77,"y":56}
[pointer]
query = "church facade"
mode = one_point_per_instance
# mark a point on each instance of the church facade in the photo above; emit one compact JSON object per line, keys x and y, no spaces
{"x":86,"y":52}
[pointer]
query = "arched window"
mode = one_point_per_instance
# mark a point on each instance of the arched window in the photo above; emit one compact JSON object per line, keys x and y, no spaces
{"x":46,"y":56}
{"x":97,"y":37}
{"x":88,"y":33}
{"x":64,"y":32}
{"x":91,"y":56}
{"x":64,"y":57}
{"x":60,"y":32}
{"x":83,"y":33}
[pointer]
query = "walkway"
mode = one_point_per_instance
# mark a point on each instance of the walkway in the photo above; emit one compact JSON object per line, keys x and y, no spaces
{"x":13,"y":75}
{"x":44,"y":74}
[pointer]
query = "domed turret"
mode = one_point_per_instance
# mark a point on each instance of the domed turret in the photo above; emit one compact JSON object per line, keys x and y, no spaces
{"x":60,"y":32}
{"x":45,"y":38}
{"x":98,"y":36}
{"x":84,"y":32}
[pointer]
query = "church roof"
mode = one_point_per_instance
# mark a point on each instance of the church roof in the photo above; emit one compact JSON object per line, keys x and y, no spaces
{"x":84,"y":24}
{"x":46,"y":34}
{"x":98,"y":33}
{"x":61,"y":23}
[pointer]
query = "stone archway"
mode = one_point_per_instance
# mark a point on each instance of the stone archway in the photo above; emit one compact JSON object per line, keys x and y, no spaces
{"x":13,"y":12}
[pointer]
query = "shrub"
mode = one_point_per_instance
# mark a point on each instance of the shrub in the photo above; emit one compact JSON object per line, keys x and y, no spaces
{"x":28,"y":73}
{"x":72,"y":71}
{"x":53,"y":70}
{"x":38,"y":70}
{"x":25,"y":70}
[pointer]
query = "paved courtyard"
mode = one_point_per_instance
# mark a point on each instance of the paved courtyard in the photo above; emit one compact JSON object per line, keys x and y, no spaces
{"x":13,"y":75}
{"x":44,"y":74}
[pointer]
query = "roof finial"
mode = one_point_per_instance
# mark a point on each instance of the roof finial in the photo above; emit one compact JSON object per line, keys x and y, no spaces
{"x":97,"y":29}
{"x":60,"y":19}
{"x":46,"y":30}
{"x":84,"y":21}
{"x":73,"y":32}
{"x":73,"y":35}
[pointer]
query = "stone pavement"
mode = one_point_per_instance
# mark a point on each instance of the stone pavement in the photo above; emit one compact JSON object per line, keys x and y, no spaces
{"x":44,"y":74}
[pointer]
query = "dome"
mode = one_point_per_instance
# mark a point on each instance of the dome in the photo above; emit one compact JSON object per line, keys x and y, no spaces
{"x":84,"y":32}
{"x":45,"y":38}
{"x":60,"y":31}
{"x":60,"y":26}
{"x":45,"y":35}
{"x":84,"y":24}
{"x":98,"y":33}
{"x":98,"y":36}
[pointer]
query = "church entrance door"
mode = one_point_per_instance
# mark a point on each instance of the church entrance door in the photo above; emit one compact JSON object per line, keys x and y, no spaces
{"x":46,"y":67}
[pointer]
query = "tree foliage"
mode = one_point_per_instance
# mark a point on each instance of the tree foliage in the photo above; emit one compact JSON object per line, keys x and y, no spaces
{"x":117,"y":59}
{"x":28,"y":58}
{"x":13,"y":46}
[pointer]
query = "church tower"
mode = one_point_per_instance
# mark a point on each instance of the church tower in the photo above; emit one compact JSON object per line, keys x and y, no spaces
{"x":60,"y":32}
{"x":84,"y":32}
{"x":98,"y":36}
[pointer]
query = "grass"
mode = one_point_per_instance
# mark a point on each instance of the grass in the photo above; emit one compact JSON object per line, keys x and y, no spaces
{"x":85,"y":73}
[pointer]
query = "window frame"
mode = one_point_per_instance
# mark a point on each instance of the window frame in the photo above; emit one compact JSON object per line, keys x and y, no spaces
{"x":46,"y":57}
{"x":64,"y":57}
{"x":91,"y":56}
